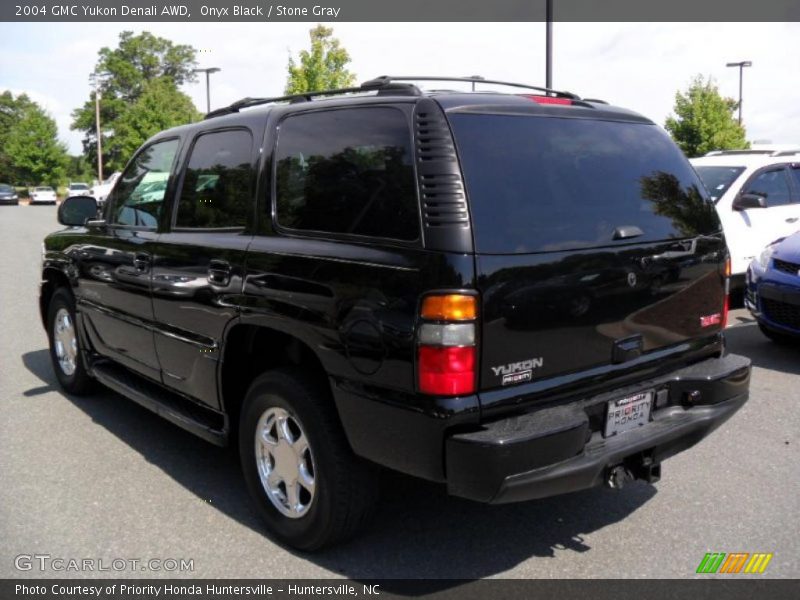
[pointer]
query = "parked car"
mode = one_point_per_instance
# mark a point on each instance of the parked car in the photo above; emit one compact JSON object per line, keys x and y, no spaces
{"x":757,"y":195}
{"x":8,"y":195}
{"x":43,"y":195}
{"x":78,"y":189}
{"x":325,"y":279}
{"x":773,"y":289}
{"x":100,"y":191}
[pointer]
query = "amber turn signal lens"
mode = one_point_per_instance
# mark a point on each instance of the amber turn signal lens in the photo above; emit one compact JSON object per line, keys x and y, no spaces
{"x":450,"y":307}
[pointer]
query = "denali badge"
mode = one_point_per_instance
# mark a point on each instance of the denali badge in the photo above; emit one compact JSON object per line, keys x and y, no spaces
{"x":518,"y":372}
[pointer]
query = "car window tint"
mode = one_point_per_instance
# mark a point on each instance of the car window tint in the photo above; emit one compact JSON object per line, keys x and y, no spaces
{"x":773,"y":185}
{"x":796,"y":176}
{"x":139,"y":195}
{"x":217,"y":186}
{"x":347,"y":172}
{"x":538,"y":184}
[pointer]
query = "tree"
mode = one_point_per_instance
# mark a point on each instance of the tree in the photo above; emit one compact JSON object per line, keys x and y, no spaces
{"x":12,"y":109}
{"x":321,"y":68}
{"x":122,"y":74}
{"x":37,"y":156}
{"x":160,"y":106}
{"x":704,"y":121}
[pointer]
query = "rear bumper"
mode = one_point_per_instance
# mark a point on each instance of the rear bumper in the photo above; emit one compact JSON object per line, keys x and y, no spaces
{"x":561,"y":449}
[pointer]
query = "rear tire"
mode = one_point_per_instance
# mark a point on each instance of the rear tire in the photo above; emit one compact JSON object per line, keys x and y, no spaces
{"x":290,"y":438}
{"x":65,"y":348}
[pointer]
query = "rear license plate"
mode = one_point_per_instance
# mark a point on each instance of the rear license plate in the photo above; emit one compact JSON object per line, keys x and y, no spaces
{"x":628,"y":413}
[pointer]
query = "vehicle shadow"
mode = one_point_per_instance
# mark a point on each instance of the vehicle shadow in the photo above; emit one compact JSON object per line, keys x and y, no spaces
{"x":749,"y":341}
{"x":419,"y":531}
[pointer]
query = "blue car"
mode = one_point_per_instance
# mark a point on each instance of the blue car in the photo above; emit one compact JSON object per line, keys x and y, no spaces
{"x":773,"y":289}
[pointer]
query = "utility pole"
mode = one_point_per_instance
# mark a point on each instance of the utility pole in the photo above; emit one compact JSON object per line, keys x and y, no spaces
{"x":99,"y":135}
{"x":549,"y":46}
{"x":208,"y":73}
{"x":741,"y":64}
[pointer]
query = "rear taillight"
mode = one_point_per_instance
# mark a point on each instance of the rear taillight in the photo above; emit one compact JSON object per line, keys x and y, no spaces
{"x":446,"y":351}
{"x":726,"y":302}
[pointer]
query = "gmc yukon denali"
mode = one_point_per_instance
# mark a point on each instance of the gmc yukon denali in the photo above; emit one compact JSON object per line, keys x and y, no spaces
{"x":516,"y":295}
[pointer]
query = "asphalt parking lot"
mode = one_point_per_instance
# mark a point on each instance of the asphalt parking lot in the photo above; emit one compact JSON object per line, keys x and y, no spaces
{"x":102,"y":478}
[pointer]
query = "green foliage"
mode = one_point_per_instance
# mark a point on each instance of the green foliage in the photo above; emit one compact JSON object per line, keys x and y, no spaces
{"x":321,"y":68}
{"x":80,"y":169}
{"x":12,"y":109}
{"x":32,"y":152}
{"x":704,"y":120}
{"x":160,"y":106}
{"x":122,"y":75}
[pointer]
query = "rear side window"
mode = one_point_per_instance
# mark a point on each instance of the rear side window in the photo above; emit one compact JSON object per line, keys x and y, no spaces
{"x":547,"y":184}
{"x":217,"y":187}
{"x":718,"y":179}
{"x":347,"y":171}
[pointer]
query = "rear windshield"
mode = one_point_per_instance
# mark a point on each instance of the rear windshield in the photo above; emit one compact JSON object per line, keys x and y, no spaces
{"x":43,"y":189}
{"x":718,"y":179}
{"x":539,"y":184}
{"x":78,"y":186}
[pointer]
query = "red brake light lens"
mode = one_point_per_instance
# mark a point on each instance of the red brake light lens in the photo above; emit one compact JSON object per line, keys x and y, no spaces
{"x":446,"y":371}
{"x":549,"y":99}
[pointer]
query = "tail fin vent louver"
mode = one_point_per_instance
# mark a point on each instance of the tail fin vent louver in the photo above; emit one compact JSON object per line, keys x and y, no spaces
{"x":444,"y":203}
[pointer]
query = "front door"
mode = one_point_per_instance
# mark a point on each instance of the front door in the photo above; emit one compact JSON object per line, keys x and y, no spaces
{"x":116,"y":262}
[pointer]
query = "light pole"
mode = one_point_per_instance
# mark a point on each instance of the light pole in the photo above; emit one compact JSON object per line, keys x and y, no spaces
{"x":99,"y":135}
{"x":548,"y":47}
{"x":208,"y":73}
{"x":741,"y":64}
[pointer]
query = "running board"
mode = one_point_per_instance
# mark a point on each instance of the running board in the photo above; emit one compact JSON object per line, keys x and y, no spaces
{"x":203,"y":422}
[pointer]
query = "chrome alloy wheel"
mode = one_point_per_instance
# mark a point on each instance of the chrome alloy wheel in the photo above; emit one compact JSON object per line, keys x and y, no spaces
{"x":285,"y":462}
{"x":65,"y":341}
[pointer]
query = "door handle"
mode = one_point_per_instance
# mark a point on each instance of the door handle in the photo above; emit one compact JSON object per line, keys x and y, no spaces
{"x":792,"y":220}
{"x":219,"y":272}
{"x":141,"y":262}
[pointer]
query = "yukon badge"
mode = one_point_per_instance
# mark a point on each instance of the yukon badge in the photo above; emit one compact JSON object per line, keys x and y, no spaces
{"x":517,"y":372}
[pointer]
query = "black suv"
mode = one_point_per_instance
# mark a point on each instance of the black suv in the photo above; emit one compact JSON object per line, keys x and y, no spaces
{"x":514,"y":294}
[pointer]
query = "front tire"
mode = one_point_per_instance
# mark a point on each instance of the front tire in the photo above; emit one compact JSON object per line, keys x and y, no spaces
{"x":308,"y":486}
{"x":65,"y":349}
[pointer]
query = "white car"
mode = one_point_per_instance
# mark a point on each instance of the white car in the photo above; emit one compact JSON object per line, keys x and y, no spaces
{"x":78,"y":189}
{"x":757,"y":195}
{"x":101,"y":191}
{"x":43,"y":195}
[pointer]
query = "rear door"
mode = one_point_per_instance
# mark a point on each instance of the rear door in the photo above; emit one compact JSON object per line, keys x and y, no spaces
{"x":198,"y":264}
{"x":596,"y":244}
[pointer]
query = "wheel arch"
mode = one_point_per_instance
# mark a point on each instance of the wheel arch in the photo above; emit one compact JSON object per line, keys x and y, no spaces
{"x":252,"y":349}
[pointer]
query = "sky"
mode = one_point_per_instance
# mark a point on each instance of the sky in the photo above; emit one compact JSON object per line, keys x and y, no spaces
{"x":639,"y":66}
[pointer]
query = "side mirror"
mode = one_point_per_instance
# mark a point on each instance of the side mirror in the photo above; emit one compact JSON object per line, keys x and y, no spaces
{"x":75,"y":210}
{"x":747,"y":201}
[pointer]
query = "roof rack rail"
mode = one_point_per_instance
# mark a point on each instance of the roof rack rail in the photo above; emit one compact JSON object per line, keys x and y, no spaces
{"x":382,"y":84}
{"x":388,"y":79}
{"x":367,"y":86}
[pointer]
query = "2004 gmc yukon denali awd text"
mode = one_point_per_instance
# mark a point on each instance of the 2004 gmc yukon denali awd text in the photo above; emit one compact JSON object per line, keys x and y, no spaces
{"x":516,"y":295}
